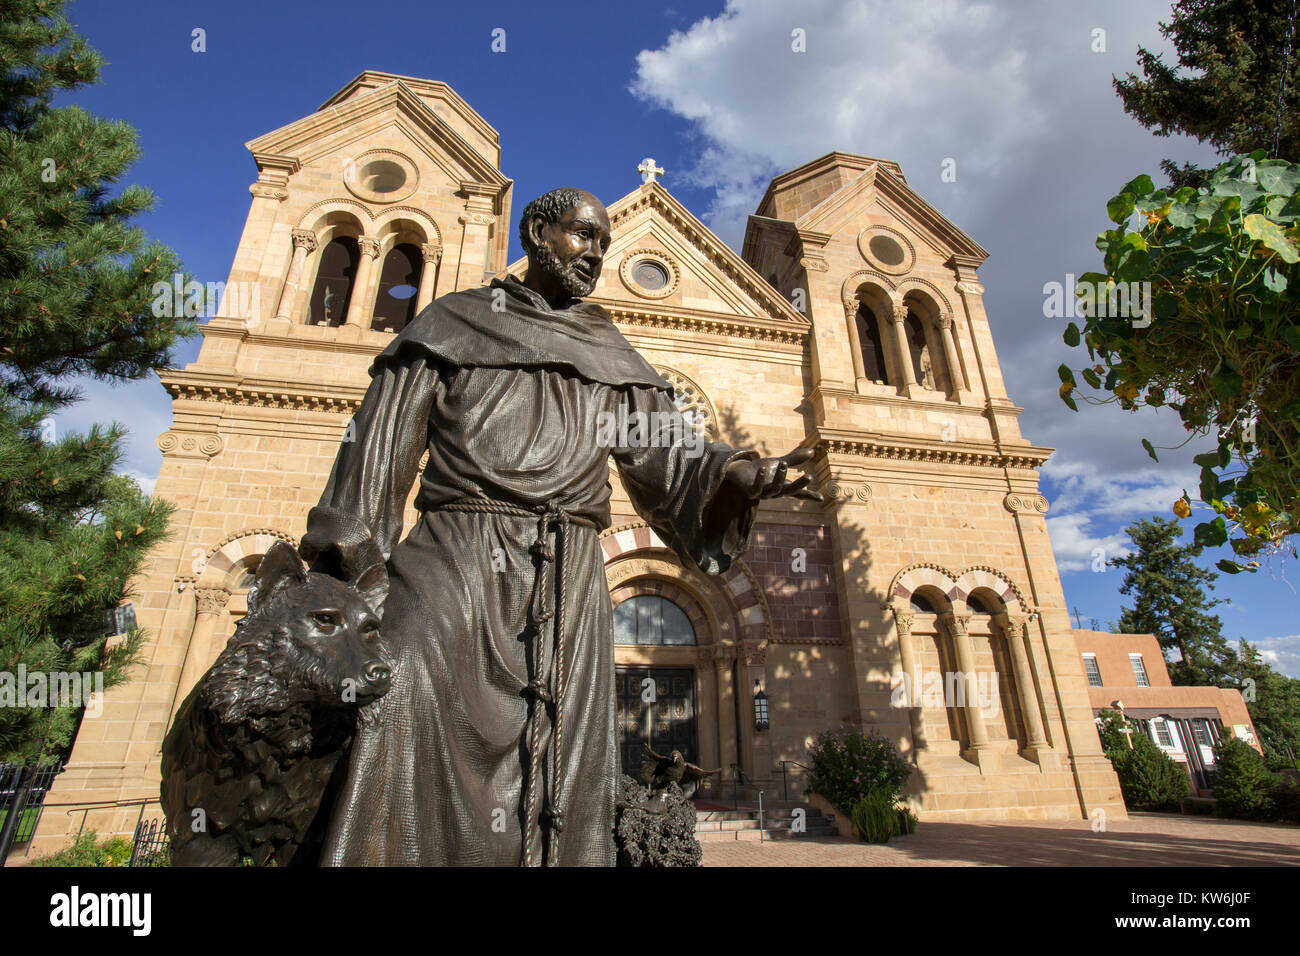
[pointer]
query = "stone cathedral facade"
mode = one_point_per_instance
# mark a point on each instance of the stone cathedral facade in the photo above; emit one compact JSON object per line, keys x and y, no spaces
{"x":852,"y":321}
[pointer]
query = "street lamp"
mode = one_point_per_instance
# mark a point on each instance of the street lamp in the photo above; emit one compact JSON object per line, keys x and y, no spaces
{"x":1126,"y":730}
{"x":760,"y":707}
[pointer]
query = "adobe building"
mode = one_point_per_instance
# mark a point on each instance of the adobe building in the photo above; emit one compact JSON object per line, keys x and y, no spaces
{"x":852,"y":322}
{"x":1127,"y":672}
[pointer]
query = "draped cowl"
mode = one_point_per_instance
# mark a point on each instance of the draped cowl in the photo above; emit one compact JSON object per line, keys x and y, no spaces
{"x":508,"y":397}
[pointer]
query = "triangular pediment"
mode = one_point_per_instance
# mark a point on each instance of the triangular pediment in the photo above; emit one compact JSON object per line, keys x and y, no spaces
{"x":358,"y":112}
{"x":879,"y":186}
{"x":704,"y":276}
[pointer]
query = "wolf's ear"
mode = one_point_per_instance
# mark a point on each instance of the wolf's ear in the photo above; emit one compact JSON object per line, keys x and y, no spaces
{"x":372,"y":583}
{"x":279,"y":569}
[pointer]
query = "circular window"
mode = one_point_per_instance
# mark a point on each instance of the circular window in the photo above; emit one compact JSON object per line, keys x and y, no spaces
{"x":380,"y":176}
{"x":887,"y":249}
{"x":649,"y":273}
{"x":383,"y":176}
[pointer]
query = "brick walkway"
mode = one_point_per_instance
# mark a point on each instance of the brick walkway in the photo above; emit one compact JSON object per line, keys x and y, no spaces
{"x":1145,"y":839}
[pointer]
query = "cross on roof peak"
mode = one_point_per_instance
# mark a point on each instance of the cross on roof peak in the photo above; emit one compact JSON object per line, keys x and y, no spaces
{"x":649,"y":171}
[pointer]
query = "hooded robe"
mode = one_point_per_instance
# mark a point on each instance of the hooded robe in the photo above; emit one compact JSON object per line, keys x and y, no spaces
{"x":504,"y":394}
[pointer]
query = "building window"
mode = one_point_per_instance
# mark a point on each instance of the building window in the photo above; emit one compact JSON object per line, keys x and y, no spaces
{"x":1163,"y":737}
{"x":873,"y":350}
{"x":334,"y":278}
{"x":398,"y":281}
{"x":920,"y":353}
{"x":649,"y":619}
{"x":1090,"y":666}
{"x":1201,"y":732}
{"x":1139,"y":670}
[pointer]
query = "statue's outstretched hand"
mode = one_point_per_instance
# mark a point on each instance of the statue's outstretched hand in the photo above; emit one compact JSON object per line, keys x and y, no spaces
{"x":766,"y":478}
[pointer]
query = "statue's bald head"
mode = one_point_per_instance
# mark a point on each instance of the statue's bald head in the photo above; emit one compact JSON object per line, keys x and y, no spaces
{"x":565,"y":234}
{"x":551,"y":207}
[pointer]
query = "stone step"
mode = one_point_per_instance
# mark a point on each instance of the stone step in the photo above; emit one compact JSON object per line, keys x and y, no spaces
{"x":714,"y":826}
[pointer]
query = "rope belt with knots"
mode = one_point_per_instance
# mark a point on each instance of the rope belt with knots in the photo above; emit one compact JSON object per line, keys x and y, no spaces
{"x":539,"y":694}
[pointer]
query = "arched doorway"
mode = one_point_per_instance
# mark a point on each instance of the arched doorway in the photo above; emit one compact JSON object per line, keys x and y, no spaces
{"x":657,"y":705}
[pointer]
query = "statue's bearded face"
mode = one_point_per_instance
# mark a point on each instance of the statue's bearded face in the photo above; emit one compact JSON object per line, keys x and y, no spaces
{"x":572,"y":250}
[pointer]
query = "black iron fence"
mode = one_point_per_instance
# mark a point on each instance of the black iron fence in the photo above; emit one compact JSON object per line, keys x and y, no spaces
{"x":150,"y":846}
{"x":22,"y":792}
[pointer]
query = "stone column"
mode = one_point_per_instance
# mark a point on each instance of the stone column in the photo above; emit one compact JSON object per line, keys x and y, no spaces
{"x":304,"y":241}
{"x":1030,"y":709}
{"x":978,"y":751}
{"x":950,"y":354}
{"x":429,"y":272}
{"x":904,"y":353}
{"x":707,"y":713}
{"x":209,"y":603}
{"x":723,"y":657}
{"x":903,"y":618}
{"x":855,"y":342}
{"x":362,"y":306}
{"x":756,"y":752}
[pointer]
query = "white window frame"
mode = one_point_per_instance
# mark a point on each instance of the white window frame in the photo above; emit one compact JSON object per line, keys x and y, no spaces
{"x":1143,"y":679}
{"x":1095,"y":668}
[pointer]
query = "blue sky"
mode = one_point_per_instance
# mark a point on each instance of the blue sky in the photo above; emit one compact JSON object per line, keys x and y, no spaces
{"x":1016,"y":93}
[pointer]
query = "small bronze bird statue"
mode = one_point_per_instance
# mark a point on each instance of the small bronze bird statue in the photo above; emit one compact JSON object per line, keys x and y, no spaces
{"x":657,"y":772}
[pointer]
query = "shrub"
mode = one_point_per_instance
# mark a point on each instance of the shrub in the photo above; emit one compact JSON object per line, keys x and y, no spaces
{"x":847,"y":764}
{"x":876,"y":816}
{"x":1148,"y":778}
{"x":1245,"y":787}
{"x":1286,"y":800}
{"x":88,"y":850}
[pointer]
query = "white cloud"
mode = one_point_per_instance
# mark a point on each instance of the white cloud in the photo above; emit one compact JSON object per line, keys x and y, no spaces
{"x":1282,"y":652}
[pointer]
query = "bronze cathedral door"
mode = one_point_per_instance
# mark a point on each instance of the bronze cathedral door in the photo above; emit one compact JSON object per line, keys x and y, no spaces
{"x":661,"y":699}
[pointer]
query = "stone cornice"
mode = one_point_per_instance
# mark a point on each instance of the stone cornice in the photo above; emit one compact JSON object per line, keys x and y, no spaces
{"x":711,"y":323}
{"x":200,"y":387}
{"x":865,"y":444}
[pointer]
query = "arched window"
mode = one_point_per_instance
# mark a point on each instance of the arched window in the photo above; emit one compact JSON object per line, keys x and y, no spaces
{"x":873,"y":351}
{"x":334,"y":278}
{"x":922,"y":361}
{"x":923,"y":604}
{"x":398,"y":285}
{"x":649,"y":619}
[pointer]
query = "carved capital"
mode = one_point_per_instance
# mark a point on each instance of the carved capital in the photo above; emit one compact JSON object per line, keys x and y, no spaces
{"x":211,"y":600}
{"x":724,"y":653}
{"x":304,"y":239}
{"x":904,"y":617}
{"x":704,"y":657}
{"x":1025,"y":504}
{"x":432,"y":252}
{"x":900,"y":313}
{"x":189,"y":446}
{"x":970,"y":288}
{"x":1015,"y":625}
{"x":755,"y":653}
{"x":477,"y":219}
{"x":945,"y":320}
{"x":369,"y":247}
{"x":958,"y":624}
{"x":268,"y":191}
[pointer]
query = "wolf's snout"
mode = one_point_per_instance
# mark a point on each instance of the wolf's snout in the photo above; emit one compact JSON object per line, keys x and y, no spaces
{"x":377,"y":674}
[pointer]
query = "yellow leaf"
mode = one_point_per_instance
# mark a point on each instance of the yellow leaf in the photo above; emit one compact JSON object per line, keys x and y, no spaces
{"x":139,"y":529}
{"x":1182,"y":508}
{"x":54,"y":482}
{"x":1066,"y":389}
{"x":118,"y":534}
